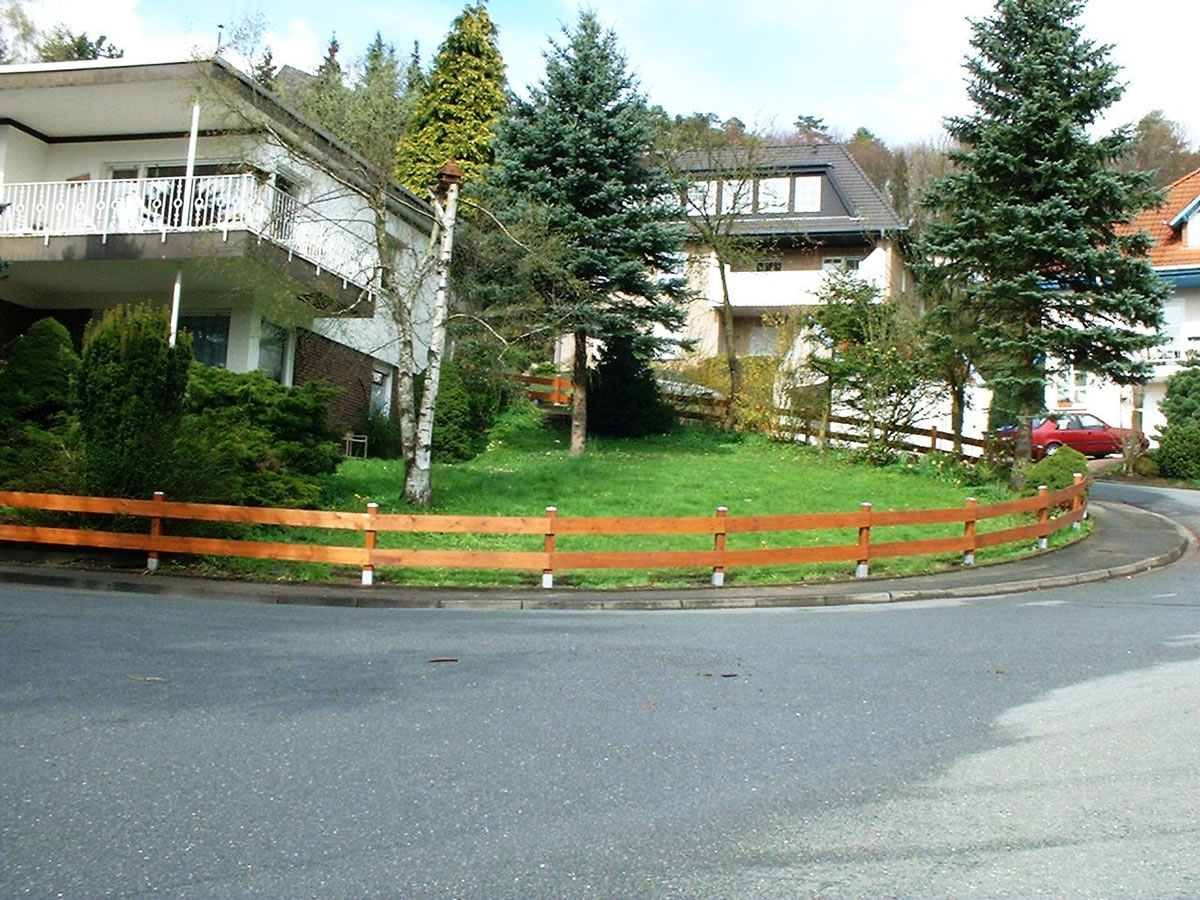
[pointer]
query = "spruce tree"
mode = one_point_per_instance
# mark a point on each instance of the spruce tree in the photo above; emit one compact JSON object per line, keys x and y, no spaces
{"x":264,"y":70}
{"x":1026,"y":223}
{"x":580,"y":151}
{"x":458,"y":106}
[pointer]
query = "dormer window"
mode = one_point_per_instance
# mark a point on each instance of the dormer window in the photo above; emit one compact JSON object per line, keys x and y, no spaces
{"x":773,"y":195}
{"x":808,"y":193}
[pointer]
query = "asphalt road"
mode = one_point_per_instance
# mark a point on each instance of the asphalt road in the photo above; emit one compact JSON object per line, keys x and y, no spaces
{"x":1029,"y":745}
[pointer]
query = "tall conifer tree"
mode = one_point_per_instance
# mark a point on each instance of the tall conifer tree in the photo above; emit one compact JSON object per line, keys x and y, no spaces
{"x":458,"y":107}
{"x":1025,"y":225}
{"x":580,"y":149}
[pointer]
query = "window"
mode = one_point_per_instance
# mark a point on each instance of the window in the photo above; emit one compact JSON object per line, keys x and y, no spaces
{"x":768,"y":265}
{"x":808,"y":194}
{"x":840,"y":263}
{"x":381,"y":389}
{"x":210,"y":337}
{"x":1071,"y":387}
{"x":762,"y":339}
{"x":272,"y":351}
{"x":702,"y":198}
{"x":773,"y":195}
{"x":736,"y":196}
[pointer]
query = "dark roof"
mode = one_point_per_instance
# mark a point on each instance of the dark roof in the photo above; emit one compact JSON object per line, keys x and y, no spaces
{"x":864,"y":208}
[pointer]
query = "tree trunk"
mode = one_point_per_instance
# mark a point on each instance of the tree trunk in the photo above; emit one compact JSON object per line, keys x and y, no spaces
{"x":958,"y":403}
{"x":406,"y":412}
{"x":579,"y":397}
{"x":418,"y":485}
{"x":735,"y":374}
{"x":826,"y":412}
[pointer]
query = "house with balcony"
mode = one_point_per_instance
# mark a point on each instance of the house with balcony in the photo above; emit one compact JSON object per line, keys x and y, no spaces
{"x":804,"y":210}
{"x":1174,"y":228}
{"x":188,"y":186}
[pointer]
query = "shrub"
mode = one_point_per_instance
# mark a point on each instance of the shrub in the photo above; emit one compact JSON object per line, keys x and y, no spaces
{"x":1182,"y":400}
{"x":130,"y":399}
{"x":489,"y":390}
{"x":383,"y":434}
{"x":514,"y":426}
{"x":1146,"y":467}
{"x":1056,"y":471}
{"x":36,"y":383}
{"x":1178,"y":453}
{"x":249,"y":440}
{"x":623,"y":398}
{"x":44,"y":460}
{"x":754,"y":406}
{"x":452,"y":432}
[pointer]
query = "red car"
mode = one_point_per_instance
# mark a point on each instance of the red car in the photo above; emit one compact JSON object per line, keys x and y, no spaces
{"x":1082,"y":431}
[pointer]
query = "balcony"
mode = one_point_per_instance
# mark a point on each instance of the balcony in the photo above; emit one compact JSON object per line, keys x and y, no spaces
{"x":781,"y":290}
{"x":215,"y":204}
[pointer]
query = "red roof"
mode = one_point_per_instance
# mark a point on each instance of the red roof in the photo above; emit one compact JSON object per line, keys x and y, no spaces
{"x":1169,"y":248}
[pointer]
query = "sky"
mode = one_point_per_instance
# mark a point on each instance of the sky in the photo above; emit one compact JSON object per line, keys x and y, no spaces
{"x":893,"y":66}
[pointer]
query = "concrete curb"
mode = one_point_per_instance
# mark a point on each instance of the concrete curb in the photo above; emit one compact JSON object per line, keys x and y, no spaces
{"x":355,"y":596}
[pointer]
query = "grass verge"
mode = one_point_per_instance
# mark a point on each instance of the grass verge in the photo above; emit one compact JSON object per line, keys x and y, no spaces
{"x":688,"y":473}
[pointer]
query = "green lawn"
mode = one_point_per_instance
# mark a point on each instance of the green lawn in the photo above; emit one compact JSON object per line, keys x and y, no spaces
{"x":689,"y":473}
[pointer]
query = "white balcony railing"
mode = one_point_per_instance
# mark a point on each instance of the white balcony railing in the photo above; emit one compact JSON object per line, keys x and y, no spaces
{"x":220,"y":203}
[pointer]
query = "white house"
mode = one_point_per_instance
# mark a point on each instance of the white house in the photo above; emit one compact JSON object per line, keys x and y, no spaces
{"x":810,"y":209}
{"x":1175,"y":255}
{"x":186,"y":185}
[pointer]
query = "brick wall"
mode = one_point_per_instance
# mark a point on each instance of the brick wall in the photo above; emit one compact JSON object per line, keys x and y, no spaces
{"x":318,"y":357}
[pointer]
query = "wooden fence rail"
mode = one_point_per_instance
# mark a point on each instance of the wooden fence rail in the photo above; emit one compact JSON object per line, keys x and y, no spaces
{"x":1071,"y":501}
{"x":556,"y":390}
{"x":788,"y":423}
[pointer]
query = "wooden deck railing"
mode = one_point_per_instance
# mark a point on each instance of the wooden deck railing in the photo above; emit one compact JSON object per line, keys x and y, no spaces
{"x":549,"y":527}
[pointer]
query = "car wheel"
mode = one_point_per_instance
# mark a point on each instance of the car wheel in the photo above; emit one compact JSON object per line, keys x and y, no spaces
{"x":1051,"y":449}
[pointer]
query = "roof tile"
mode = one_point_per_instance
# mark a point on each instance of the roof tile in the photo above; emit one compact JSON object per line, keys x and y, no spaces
{"x":1169,"y":248}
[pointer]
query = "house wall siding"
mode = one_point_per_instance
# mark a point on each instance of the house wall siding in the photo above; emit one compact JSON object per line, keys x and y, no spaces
{"x":22,"y":157}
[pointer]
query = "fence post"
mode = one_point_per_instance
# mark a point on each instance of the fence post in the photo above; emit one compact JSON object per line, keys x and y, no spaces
{"x":969,"y":533}
{"x":864,"y":543}
{"x":718,"y":572}
{"x":155,"y":532}
{"x":1043,"y":518}
{"x":933,"y":436}
{"x":1077,"y":500}
{"x":548,"y":572}
{"x":368,"y":571}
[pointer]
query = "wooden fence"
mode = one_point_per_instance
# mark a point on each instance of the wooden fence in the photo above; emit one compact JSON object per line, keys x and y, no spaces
{"x":548,"y":527}
{"x":556,"y":390}
{"x":787,"y":423}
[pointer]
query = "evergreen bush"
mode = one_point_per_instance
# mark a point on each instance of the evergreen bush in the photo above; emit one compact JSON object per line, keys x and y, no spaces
{"x":1178,"y":453}
{"x":1182,"y":400}
{"x":623,"y":397}
{"x":249,"y":440}
{"x":1056,"y":471}
{"x":453,"y":437}
{"x":130,"y":399}
{"x":36,"y":382}
{"x":382,"y":431}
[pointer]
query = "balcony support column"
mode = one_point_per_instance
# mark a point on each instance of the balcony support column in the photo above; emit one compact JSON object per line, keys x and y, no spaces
{"x":185,"y":214}
{"x":175,"y":305}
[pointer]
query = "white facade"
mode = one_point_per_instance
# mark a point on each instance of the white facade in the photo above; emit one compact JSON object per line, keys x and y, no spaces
{"x":121,"y":183}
